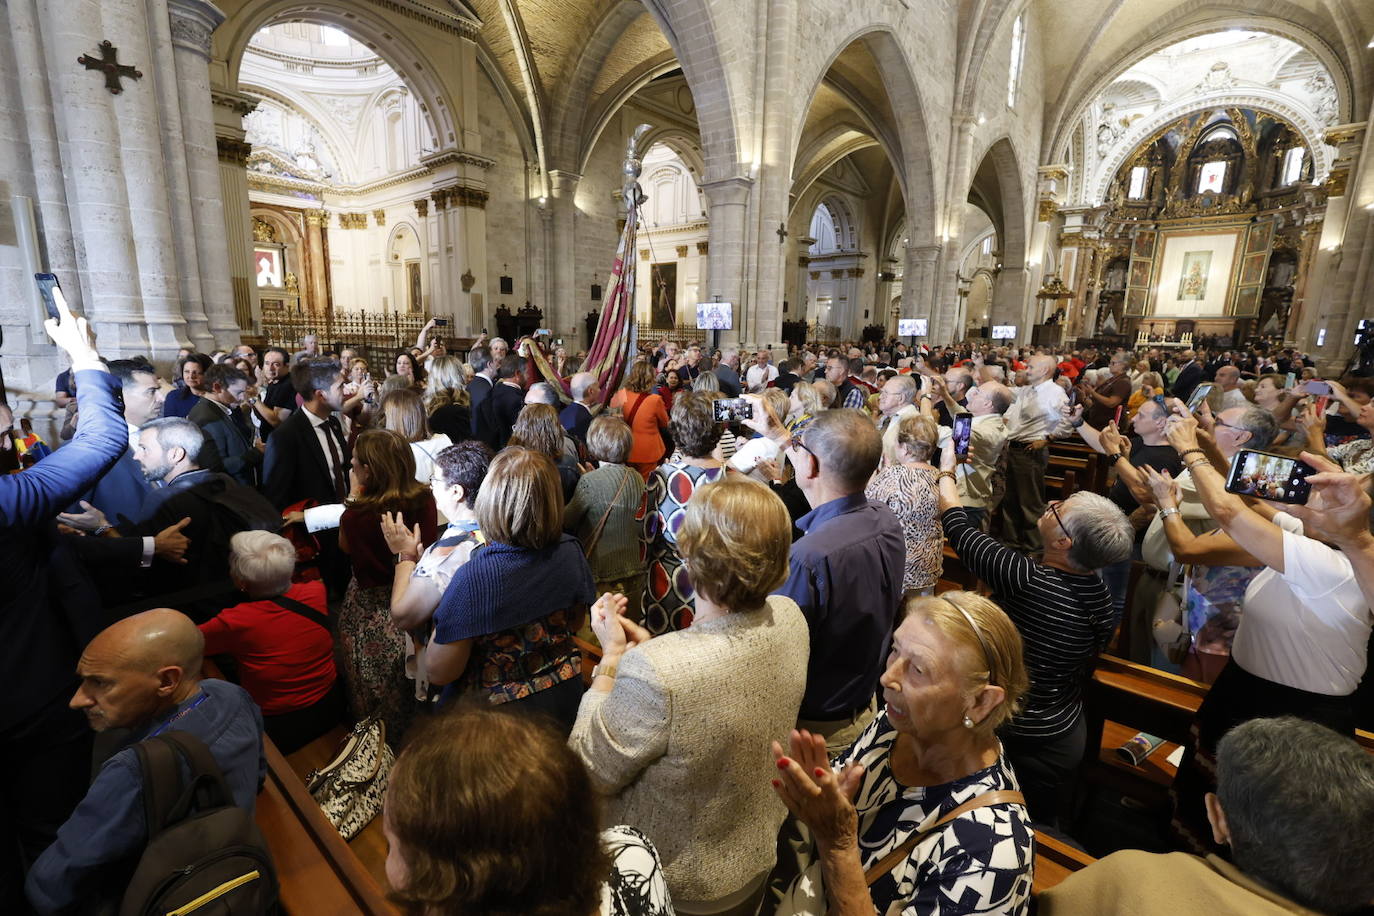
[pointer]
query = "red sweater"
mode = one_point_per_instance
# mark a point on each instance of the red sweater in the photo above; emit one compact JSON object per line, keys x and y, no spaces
{"x":286,"y":662}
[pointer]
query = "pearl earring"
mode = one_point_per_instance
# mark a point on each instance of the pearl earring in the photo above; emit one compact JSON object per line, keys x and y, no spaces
{"x":968,"y":723}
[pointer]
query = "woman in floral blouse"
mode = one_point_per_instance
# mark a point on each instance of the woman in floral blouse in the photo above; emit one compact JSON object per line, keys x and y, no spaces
{"x":504,"y":628}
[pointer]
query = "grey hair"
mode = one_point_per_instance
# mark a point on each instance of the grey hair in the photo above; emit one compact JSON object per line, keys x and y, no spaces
{"x":262,"y":562}
{"x":906,"y":387}
{"x":1297,"y":796}
{"x":1260,"y":424}
{"x":827,"y":392}
{"x":544,"y":393}
{"x":706,"y":381}
{"x":581,"y":383}
{"x":177,"y":432}
{"x":962,"y":375}
{"x":997,"y":372}
{"x":495,"y":339}
{"x":1102,"y":535}
{"x":847,"y":445}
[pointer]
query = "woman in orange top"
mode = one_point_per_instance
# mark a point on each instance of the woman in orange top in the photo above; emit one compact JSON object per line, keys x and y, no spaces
{"x":644,"y":412}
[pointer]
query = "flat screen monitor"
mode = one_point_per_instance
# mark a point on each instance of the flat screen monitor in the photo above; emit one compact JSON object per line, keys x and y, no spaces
{"x":912,"y":327}
{"x":715,"y":316}
{"x":1004,"y":332}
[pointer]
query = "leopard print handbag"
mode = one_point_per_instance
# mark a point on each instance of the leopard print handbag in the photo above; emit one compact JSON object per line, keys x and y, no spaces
{"x":350,"y":788}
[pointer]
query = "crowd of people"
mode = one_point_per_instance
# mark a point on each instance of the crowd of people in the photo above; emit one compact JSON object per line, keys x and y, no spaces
{"x":788,"y":713}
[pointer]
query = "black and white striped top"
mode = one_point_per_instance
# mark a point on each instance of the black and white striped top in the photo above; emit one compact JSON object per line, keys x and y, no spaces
{"x":1065,"y":620}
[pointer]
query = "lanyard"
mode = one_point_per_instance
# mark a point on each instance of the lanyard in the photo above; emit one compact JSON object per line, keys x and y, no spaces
{"x":168,"y":724}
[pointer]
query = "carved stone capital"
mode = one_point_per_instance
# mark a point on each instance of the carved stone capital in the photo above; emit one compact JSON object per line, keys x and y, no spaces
{"x":422,"y":207}
{"x":379,"y":217}
{"x":232,"y":151}
{"x":682,"y":251}
{"x":192,"y":22}
{"x":317,"y":218}
{"x":703,"y":247}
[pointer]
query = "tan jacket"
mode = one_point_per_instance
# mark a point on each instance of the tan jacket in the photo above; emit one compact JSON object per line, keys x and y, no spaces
{"x":1136,"y":883}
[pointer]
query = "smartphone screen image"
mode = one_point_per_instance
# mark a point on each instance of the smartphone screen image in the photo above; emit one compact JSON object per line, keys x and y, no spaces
{"x":46,"y":284}
{"x":962,"y":431}
{"x":1290,"y":380}
{"x":1278,"y":478}
{"x":732,"y":410}
{"x":1198,"y":396}
{"x":441,"y":322}
{"x":1317,"y":387}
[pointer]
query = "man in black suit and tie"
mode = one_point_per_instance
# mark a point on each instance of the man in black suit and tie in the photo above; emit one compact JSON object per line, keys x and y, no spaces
{"x":308,"y":456}
{"x":499,"y":410}
{"x":1189,"y":374}
{"x":229,"y":446}
{"x":482,"y":382}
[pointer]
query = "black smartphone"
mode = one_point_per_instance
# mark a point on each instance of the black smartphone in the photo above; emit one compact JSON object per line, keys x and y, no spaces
{"x":441,"y":322}
{"x":1199,"y":395}
{"x":1264,"y":475}
{"x":46,"y":284}
{"x":1073,"y":397}
{"x":963,"y":429}
{"x":732,"y":410}
{"x":484,"y":330}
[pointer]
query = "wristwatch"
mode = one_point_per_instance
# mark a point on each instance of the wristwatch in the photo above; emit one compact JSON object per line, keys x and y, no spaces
{"x":1165,"y":513}
{"x":1114,"y":458}
{"x":603,"y":669}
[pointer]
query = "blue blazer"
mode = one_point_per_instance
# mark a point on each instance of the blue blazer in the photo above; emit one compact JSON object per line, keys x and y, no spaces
{"x":120,"y":492}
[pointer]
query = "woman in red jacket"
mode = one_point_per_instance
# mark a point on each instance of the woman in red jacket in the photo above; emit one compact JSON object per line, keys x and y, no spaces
{"x":646,"y":416}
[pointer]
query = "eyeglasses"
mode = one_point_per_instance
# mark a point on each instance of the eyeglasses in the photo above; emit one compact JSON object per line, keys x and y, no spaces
{"x":796,"y":442}
{"x":1054,"y":507}
{"x":1220,"y":422}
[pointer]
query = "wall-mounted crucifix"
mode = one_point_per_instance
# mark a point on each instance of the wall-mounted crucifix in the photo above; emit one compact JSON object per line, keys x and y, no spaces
{"x":782,"y":233}
{"x":110,"y":66}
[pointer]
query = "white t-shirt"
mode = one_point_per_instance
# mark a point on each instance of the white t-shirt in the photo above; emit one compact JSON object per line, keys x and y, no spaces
{"x":757,"y":377}
{"x":747,"y":456}
{"x":1309,"y":626}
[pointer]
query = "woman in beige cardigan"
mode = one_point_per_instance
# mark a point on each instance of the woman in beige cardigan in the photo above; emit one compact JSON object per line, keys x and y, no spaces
{"x":676,"y":729}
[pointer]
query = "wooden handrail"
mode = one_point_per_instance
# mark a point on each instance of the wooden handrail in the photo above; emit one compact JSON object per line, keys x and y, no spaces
{"x":1055,"y":860}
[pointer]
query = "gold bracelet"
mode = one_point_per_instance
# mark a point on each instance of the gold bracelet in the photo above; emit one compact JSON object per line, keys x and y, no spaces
{"x":950,"y":474}
{"x":1198,"y":463}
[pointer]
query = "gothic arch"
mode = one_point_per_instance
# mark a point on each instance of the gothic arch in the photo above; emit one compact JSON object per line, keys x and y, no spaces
{"x":613,"y":99}
{"x":1010,"y":223}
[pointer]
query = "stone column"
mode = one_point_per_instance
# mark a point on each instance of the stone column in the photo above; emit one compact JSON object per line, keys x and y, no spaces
{"x":919,"y":290}
{"x":1009,"y":301}
{"x":803,"y":303}
{"x":473,"y":216}
{"x":429,"y":272}
{"x":703,"y":270}
{"x":190,"y":23}
{"x":444,"y":280}
{"x":561,"y":312}
{"x":316,"y":286}
{"x":233,"y":150}
{"x":727,"y":205}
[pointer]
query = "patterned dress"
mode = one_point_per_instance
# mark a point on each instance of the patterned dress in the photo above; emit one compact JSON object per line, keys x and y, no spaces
{"x":909,"y":491}
{"x":667,"y":589}
{"x":636,"y":886}
{"x":981,"y":863}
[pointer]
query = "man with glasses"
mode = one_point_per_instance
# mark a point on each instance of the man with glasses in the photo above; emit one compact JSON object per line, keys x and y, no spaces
{"x":845,"y":573}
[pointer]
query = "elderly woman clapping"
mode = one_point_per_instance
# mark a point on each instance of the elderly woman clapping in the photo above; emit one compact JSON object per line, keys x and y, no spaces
{"x":882,"y":818}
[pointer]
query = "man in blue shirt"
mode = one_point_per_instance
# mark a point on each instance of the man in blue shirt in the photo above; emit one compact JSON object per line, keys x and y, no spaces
{"x":141,"y":674}
{"x":846,"y":573}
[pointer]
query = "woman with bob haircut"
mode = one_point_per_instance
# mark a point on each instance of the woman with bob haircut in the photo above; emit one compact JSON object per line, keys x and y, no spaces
{"x":954,"y":675}
{"x":404,"y":412}
{"x":370,"y":650}
{"x":605,"y":514}
{"x":695,"y":782}
{"x":491,"y":813}
{"x":504,"y":629}
{"x":537,"y":428}
{"x":447,"y":399}
{"x":410,"y":367}
{"x":667,"y":597}
{"x":645,"y":414}
{"x":908,"y":488}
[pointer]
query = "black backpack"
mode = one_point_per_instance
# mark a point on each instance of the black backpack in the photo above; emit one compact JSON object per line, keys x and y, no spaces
{"x":204,"y":854}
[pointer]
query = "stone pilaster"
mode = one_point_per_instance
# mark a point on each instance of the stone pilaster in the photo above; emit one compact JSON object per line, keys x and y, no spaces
{"x":561,"y":314}
{"x":727,"y":206}
{"x":233,"y":150}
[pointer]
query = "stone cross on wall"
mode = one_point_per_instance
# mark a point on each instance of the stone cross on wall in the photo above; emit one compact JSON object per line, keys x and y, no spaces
{"x":110,"y":66}
{"x":781,"y":232}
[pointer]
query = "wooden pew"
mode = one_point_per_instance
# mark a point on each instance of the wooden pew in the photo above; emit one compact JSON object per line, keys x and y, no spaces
{"x":1055,"y":860}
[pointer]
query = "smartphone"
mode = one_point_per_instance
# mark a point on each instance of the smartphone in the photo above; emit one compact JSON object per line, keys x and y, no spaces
{"x":963,"y":429}
{"x":46,"y":284}
{"x":1199,"y":395}
{"x":1320,"y":404}
{"x":1073,"y":397}
{"x":441,"y":322}
{"x":1290,"y":380}
{"x":1263,"y":475}
{"x":1116,"y":418}
{"x":732,"y":410}
{"x":484,"y":330}
{"x":1317,"y":388}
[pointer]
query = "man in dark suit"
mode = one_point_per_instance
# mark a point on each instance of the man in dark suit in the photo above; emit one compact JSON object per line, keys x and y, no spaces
{"x":1189,"y":375}
{"x":48,"y":610}
{"x":577,"y":416}
{"x":308,"y":457}
{"x":120,"y":491}
{"x":482,"y":382}
{"x":229,"y":446}
{"x":499,"y":410}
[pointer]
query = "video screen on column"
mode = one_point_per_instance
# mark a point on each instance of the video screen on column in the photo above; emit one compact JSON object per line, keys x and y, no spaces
{"x":715,"y":316}
{"x":1004,"y":332}
{"x":912,"y":327}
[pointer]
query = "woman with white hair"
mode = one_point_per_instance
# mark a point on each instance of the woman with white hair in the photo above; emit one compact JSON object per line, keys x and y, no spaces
{"x":1066,"y":617}
{"x":280,"y":637}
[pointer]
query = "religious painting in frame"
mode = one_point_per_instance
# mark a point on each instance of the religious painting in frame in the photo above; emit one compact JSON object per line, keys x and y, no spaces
{"x":1247,"y":300}
{"x":267,"y":267}
{"x":1261,"y":234}
{"x":416,"y":297}
{"x":1135,"y":301}
{"x":1252,"y":269}
{"x":1144,"y":246}
{"x":663,"y":295}
{"x":1140,"y":273}
{"x":1192,"y":280}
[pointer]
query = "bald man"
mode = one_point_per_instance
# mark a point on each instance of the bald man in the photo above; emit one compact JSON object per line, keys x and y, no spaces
{"x":1035,"y":418}
{"x":141,"y":674}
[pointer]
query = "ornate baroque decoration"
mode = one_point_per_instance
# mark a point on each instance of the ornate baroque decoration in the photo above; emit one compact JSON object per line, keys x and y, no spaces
{"x":379,"y":217}
{"x":1046,"y":210}
{"x":422,"y":207}
{"x":1336,"y":181}
{"x":459,"y":196}
{"x":318,"y":217}
{"x":467,"y":279}
{"x":263,"y":231}
{"x":352,"y":220}
{"x":682,"y":251}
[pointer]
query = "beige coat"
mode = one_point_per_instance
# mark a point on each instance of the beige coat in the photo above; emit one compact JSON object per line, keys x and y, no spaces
{"x":681,"y":744}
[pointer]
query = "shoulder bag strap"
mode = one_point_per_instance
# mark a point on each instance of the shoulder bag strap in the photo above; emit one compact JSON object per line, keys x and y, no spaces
{"x":159,"y":765}
{"x":596,"y":532}
{"x":205,"y":772}
{"x":890,"y":861}
{"x":630,"y":417}
{"x":305,"y":610}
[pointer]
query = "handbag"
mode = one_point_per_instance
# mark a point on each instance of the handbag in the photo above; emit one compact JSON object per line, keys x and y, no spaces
{"x":595,"y":539}
{"x":350,"y":788}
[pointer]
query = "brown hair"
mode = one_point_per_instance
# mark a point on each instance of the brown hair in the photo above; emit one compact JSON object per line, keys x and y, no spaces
{"x":735,"y":540}
{"x":494,"y":814}
{"x":693,"y":424}
{"x":609,"y":439}
{"x":640,"y":378}
{"x":391,"y":484}
{"x":521,"y":500}
{"x":918,"y":435}
{"x":991,"y":649}
{"x":537,"y":428}
{"x":404,"y":411}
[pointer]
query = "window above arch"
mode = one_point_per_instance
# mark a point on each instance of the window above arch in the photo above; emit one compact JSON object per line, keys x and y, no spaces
{"x":1136,"y":190}
{"x":1018,"y":57}
{"x":1292,"y":165}
{"x":1211,"y":177}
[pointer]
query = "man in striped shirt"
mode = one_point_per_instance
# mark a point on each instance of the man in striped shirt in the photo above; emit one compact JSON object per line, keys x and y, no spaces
{"x":1064,"y":614}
